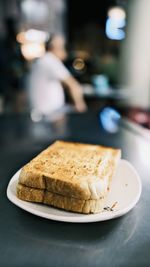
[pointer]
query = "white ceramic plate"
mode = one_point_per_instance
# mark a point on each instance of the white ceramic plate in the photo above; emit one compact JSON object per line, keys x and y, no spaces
{"x":125,"y":192}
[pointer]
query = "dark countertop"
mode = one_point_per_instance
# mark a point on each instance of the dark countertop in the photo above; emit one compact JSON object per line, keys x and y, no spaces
{"x":27,"y":240}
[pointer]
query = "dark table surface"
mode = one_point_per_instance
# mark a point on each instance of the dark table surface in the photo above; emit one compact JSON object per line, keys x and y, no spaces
{"x":27,"y":240}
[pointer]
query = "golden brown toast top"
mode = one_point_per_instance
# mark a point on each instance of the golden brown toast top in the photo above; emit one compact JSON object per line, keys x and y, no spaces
{"x":75,"y":163}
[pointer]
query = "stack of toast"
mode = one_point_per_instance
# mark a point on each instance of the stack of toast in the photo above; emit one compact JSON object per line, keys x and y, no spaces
{"x":71,"y":176}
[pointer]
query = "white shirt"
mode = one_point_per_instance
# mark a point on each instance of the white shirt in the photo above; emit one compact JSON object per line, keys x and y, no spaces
{"x":45,"y":88}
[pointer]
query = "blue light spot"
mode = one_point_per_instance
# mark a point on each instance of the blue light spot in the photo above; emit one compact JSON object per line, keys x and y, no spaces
{"x":109,"y":119}
{"x":114,"y":29}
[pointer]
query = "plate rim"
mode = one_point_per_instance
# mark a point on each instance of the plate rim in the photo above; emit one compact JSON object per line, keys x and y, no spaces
{"x":85,"y":218}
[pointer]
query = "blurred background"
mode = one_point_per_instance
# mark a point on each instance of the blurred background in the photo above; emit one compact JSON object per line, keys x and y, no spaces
{"x":108,"y":54}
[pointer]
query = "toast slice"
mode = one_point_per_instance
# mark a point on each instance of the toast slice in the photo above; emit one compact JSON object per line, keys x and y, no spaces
{"x":74,"y":170}
{"x":59,"y":201}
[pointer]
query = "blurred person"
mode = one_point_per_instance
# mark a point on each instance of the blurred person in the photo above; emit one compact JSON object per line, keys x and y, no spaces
{"x":48,"y":75}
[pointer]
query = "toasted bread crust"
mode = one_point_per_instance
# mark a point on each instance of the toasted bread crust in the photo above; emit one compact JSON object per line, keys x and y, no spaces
{"x":72,"y":169}
{"x":70,"y":204}
{"x":30,"y":194}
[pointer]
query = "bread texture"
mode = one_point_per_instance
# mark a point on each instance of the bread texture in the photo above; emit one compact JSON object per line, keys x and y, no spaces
{"x":59,"y":201}
{"x":71,"y":170}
